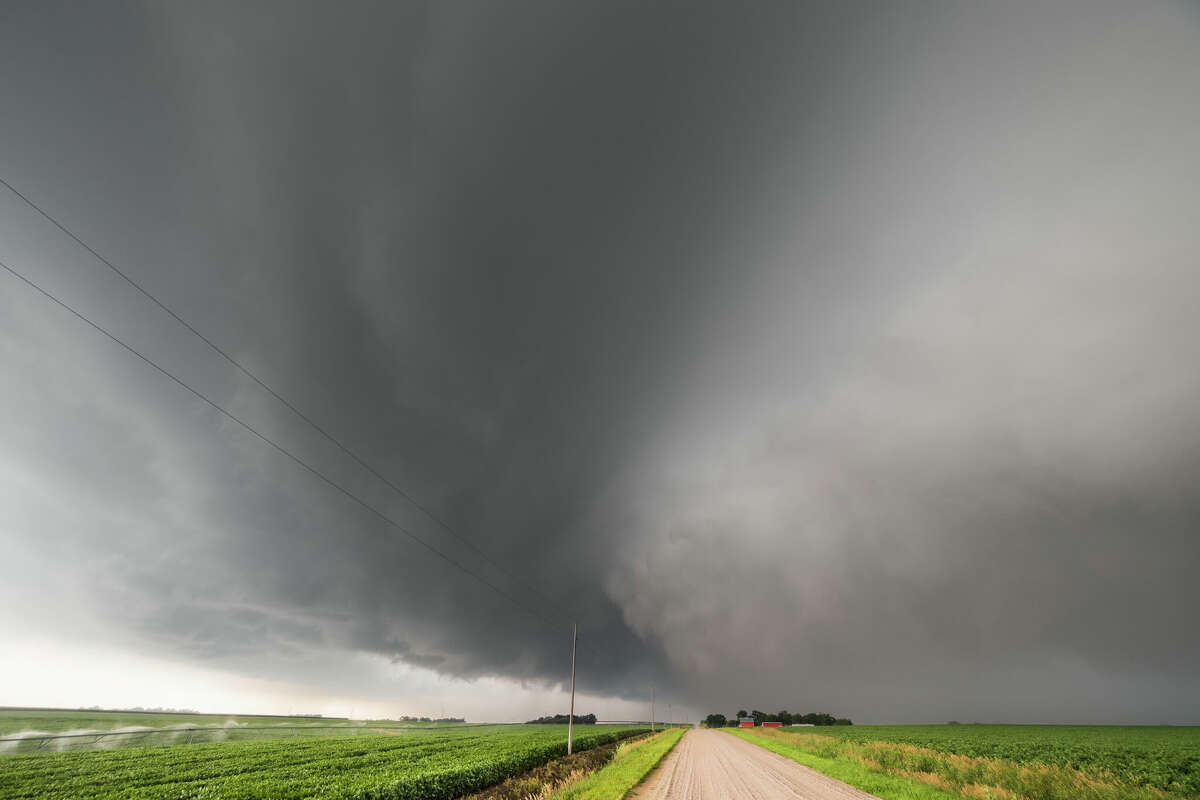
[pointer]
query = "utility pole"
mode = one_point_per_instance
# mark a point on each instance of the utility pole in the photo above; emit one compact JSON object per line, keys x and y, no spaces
{"x":571,"y":718}
{"x":652,"y":709}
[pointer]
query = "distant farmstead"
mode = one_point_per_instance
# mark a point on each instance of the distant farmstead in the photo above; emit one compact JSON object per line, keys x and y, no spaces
{"x":746,"y":722}
{"x":772,"y":724}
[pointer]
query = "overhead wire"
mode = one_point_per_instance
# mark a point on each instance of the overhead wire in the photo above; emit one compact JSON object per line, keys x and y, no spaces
{"x":271,"y":442}
{"x":275,"y":394}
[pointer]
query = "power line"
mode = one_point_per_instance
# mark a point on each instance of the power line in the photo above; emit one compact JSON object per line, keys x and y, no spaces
{"x":275,"y":445}
{"x":284,"y":451}
{"x":290,"y":406}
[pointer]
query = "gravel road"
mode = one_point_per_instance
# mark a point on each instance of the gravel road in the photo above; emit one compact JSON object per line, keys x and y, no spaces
{"x":711,"y":764}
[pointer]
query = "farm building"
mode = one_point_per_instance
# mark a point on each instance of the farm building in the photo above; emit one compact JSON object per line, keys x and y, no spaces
{"x":772,"y":724}
{"x":746,"y":722}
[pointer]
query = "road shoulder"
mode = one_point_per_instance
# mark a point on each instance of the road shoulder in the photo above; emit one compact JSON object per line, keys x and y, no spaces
{"x":852,"y":774}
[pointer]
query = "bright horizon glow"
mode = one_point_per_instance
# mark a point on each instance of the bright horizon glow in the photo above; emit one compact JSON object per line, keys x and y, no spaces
{"x":39,"y":672}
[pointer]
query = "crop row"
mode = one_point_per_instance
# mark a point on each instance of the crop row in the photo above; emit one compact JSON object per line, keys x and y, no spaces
{"x":381,"y":767}
{"x":1161,"y":757}
{"x":168,"y":736}
{"x":13,"y":721}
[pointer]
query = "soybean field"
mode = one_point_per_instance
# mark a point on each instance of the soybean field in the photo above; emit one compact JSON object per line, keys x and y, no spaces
{"x":17,"y":720}
{"x":53,"y":731}
{"x":1163,"y":758}
{"x":435,"y":764}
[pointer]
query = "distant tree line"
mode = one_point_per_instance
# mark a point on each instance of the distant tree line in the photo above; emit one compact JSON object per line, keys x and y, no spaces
{"x":427,"y":719}
{"x":561,"y":719}
{"x":784,"y":717}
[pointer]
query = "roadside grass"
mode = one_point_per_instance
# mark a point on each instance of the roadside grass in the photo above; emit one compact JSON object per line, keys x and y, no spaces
{"x":857,"y":774}
{"x":629,"y":767}
{"x":552,"y":776}
{"x":856,"y":762}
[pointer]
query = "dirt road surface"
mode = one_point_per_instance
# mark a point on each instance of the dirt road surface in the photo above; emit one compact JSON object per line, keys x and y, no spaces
{"x":711,"y":765}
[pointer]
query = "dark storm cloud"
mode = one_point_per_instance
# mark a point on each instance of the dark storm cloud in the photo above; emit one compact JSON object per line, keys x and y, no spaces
{"x":859,"y":341}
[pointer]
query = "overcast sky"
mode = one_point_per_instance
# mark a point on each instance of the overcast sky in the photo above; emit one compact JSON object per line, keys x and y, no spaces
{"x":832,"y":357}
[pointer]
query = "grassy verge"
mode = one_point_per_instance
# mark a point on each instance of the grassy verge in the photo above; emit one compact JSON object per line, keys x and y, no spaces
{"x":543,"y":781}
{"x":857,"y":774}
{"x":630,"y":766}
{"x":896,"y":771}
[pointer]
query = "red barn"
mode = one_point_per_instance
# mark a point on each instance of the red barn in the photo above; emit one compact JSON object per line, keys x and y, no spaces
{"x":746,"y":722}
{"x":772,"y":724}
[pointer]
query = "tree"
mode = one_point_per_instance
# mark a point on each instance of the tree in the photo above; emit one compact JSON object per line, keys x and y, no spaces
{"x":561,"y":719}
{"x":784,"y":717}
{"x":819,"y":718}
{"x":715,"y":721}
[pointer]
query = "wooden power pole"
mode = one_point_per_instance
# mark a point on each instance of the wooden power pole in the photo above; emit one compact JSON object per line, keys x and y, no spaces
{"x":571,"y":718}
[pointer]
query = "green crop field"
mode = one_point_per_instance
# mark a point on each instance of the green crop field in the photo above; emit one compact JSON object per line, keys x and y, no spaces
{"x":437,"y":764}
{"x":17,"y":720}
{"x":1014,"y":757}
{"x":25,"y":731}
{"x":52,"y":721}
{"x":1165,"y":757}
